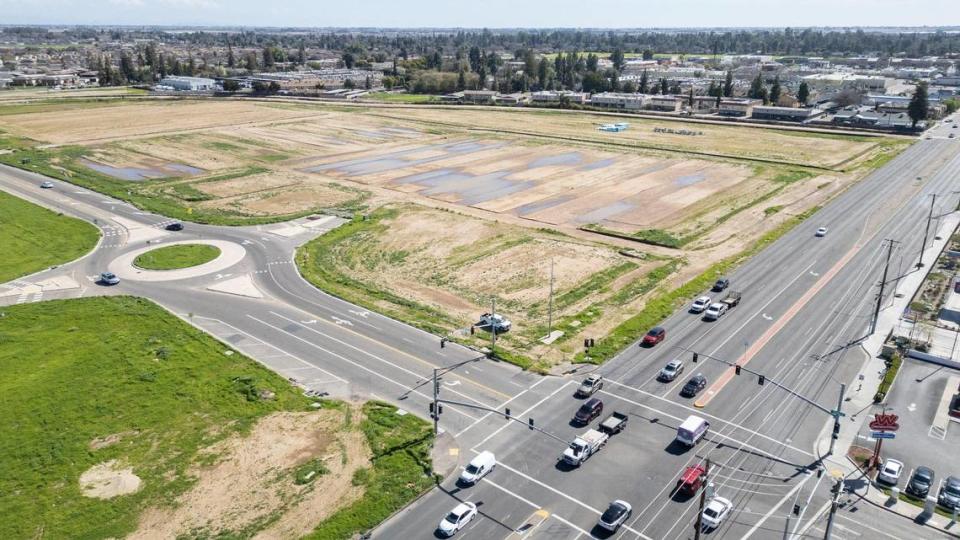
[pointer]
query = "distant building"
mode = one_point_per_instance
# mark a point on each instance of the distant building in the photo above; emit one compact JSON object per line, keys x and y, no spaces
{"x":479,"y":96}
{"x":867,"y":117}
{"x":309,"y":81}
{"x":547,"y":96}
{"x":832,"y":82}
{"x":737,"y":107}
{"x":188,"y":84}
{"x":665,"y":103}
{"x":785,"y":114}
{"x":616,"y":100}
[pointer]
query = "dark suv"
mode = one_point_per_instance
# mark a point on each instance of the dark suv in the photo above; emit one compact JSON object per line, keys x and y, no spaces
{"x":588,"y":411}
{"x":721,"y":284}
{"x":694,"y":386}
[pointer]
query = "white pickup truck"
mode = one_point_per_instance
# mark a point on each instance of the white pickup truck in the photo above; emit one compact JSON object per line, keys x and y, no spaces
{"x":584,"y":446}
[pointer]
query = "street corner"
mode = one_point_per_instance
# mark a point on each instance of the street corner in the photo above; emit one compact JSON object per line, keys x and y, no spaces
{"x":231,"y":253}
{"x":446,"y":455}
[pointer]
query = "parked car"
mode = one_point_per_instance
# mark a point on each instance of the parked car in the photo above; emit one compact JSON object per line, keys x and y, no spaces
{"x":716,"y":511}
{"x":654,"y":336}
{"x":588,"y":411}
{"x":694,"y":386}
{"x":457,"y":519}
{"x":920,"y":482}
{"x":478,"y":467}
{"x":109,"y":278}
{"x":47,"y":185}
{"x":955,"y":406}
{"x":590,"y":385}
{"x":890,"y":472}
{"x":950,"y":493}
{"x":617,"y":513}
{"x":700,"y":304}
{"x":721,"y":284}
{"x":822,"y":231}
{"x":175,"y":226}
{"x":715,"y":311}
{"x":671,"y":371}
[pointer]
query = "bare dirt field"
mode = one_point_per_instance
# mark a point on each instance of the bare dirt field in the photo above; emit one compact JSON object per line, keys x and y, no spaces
{"x":252,"y":485}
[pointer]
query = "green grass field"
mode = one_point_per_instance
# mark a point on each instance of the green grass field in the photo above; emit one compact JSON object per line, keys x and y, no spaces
{"x":75,"y":370}
{"x":34,"y":238}
{"x":178,"y":256}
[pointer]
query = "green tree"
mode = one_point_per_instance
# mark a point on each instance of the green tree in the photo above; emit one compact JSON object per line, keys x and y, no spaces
{"x":628,"y":87}
{"x":918,"y":107}
{"x":461,"y":81}
{"x":644,"y":81}
{"x":543,"y":70}
{"x":690,"y":100}
{"x":647,"y":54}
{"x":803,"y":93}
{"x":757,"y":87}
{"x":728,"y":85}
{"x":302,"y":54}
{"x":664,"y":86}
{"x":593,"y":61}
{"x":231,"y":85}
{"x":268,"y":59}
{"x":775,"y":91}
{"x":618,"y":59}
{"x":251,"y":62}
{"x":952,"y":105}
{"x":475,"y":59}
{"x":348,"y":60}
{"x":231,"y":60}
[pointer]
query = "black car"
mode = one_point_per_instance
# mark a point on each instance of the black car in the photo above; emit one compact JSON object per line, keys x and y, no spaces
{"x":588,"y":411}
{"x":920,"y":482}
{"x":176,"y":226}
{"x":721,"y":284}
{"x":694,"y":386}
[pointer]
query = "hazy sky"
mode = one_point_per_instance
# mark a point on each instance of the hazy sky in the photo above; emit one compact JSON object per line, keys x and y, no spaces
{"x":484,"y":13}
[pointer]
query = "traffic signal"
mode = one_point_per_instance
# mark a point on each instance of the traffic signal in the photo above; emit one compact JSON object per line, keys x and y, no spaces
{"x":761,"y":380}
{"x":737,"y":369}
{"x":695,"y":357}
{"x":432,"y":404}
{"x":530,"y":421}
{"x":507,"y":415}
{"x":836,"y":430}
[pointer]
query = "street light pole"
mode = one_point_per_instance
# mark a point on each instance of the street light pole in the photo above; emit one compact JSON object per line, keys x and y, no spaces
{"x":883,"y":283}
{"x":926,"y":232}
{"x":698,"y":524}
{"x":550,"y":309}
{"x":833,"y":508}
{"x":836,"y":418}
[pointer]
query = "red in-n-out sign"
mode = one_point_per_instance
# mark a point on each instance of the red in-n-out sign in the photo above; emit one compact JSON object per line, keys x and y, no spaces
{"x":885,"y":422}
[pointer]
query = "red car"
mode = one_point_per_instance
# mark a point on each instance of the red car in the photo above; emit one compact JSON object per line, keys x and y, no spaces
{"x":692,"y":480}
{"x":654,"y":336}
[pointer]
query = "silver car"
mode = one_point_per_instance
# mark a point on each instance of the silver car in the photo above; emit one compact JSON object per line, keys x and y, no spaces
{"x":109,"y":278}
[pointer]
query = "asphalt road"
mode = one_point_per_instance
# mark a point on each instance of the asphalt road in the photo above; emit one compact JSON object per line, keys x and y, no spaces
{"x":806,"y":301}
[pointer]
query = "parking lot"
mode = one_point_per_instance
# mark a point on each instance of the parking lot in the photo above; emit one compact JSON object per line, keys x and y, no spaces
{"x":915,"y":398}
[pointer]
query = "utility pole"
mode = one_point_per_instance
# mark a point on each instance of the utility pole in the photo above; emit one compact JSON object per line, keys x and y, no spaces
{"x":493,"y":326}
{"x":883,"y":283}
{"x":550,"y":309}
{"x":698,"y":524}
{"x":435,"y":412}
{"x":836,"y":418}
{"x":926,"y":232}
{"x":837,"y":488}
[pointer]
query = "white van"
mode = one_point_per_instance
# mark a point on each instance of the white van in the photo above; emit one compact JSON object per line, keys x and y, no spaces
{"x":692,"y":430}
{"x":478,"y":467}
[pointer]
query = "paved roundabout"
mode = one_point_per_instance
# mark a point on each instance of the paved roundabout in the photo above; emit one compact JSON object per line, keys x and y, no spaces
{"x":230,"y":254}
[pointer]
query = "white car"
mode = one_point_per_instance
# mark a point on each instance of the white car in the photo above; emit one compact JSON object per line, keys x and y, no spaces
{"x":478,"y":467}
{"x":618,"y":512}
{"x":700,"y":304}
{"x":715,"y":311}
{"x":716,"y":511}
{"x":457,"y":519}
{"x":890,"y":472}
{"x":670,"y":371}
{"x":822,"y":231}
{"x":47,"y":185}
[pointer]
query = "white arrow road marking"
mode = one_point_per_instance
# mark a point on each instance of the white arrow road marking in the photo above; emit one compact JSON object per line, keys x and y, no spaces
{"x":814,"y":274}
{"x":359,"y":313}
{"x":311,"y":321}
{"x":912,"y":407}
{"x":246,"y":242}
{"x":451,"y":383}
{"x":767,"y":317}
{"x":340,"y":321}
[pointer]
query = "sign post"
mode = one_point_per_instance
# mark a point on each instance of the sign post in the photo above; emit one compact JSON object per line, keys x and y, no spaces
{"x":883,"y":426}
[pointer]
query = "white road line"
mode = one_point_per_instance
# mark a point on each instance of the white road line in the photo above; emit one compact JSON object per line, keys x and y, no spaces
{"x":295,"y":357}
{"x":777,"y":507}
{"x":347,"y":360}
{"x":524,"y":413}
{"x":375,"y":357}
{"x":504,"y":404}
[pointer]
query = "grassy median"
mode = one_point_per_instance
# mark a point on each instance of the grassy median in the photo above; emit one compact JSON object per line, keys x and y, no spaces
{"x":97,"y":369}
{"x":178,"y":256}
{"x":34,"y":238}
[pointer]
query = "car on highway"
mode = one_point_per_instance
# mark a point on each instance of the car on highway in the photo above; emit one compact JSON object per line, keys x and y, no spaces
{"x":588,"y":411}
{"x":920,"y":482}
{"x":457,"y":519}
{"x":693,"y":387}
{"x":716,"y":511}
{"x":700,"y":304}
{"x":47,"y":185}
{"x":821,"y":232}
{"x":715,"y":311}
{"x":616,"y":514}
{"x":890,"y":472}
{"x":478,"y":467}
{"x":175,"y":226}
{"x":721,"y":284}
{"x":691,"y":480}
{"x":949,"y":496}
{"x":590,"y":385}
{"x":654,"y":336}
{"x":109,"y":278}
{"x":670,"y":371}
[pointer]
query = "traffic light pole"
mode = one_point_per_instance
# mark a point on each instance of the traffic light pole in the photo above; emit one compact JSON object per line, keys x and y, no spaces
{"x":435,"y":410}
{"x":836,"y":419}
{"x":837,"y":488}
{"x":505,"y":414}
